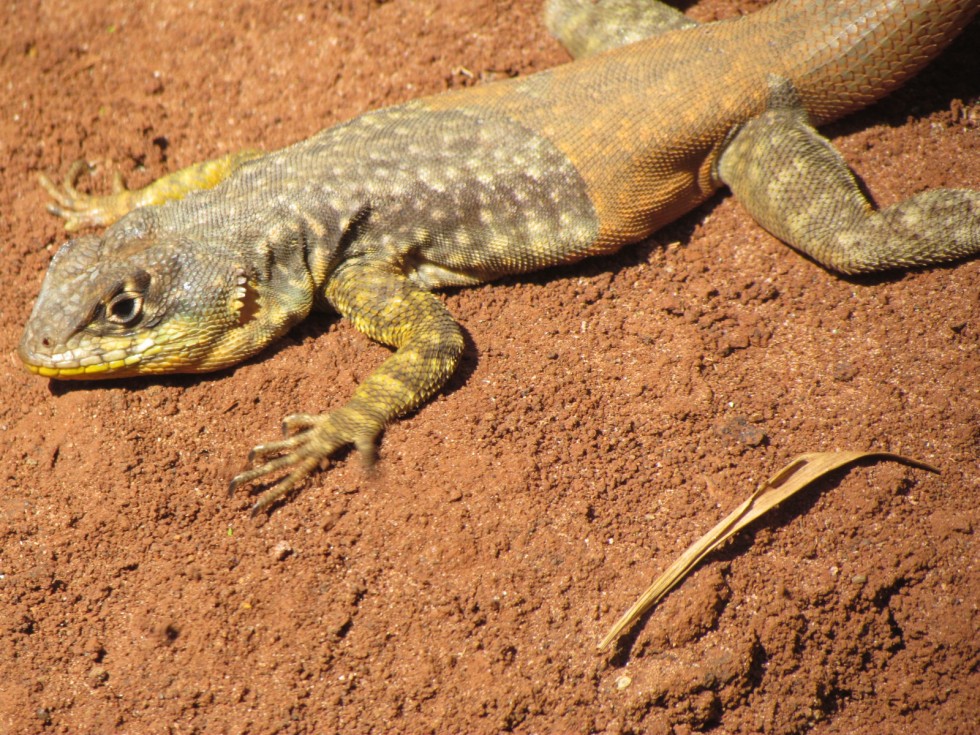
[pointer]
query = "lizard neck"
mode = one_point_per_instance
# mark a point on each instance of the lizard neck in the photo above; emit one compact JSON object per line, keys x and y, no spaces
{"x":283,"y":235}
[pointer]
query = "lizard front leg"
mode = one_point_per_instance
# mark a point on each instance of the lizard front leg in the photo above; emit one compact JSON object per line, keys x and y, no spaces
{"x":389,"y":308}
{"x":794,"y":184}
{"x":79,"y":209}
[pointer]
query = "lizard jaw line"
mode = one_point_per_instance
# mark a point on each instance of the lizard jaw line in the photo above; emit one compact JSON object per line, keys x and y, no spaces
{"x":49,"y":371}
{"x":65,"y":366}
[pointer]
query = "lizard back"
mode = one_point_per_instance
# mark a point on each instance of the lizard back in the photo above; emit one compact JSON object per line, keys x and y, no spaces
{"x":644,"y":124}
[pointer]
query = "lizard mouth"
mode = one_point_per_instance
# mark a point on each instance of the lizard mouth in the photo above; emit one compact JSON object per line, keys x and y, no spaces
{"x":48,"y":371}
{"x":82,"y":362}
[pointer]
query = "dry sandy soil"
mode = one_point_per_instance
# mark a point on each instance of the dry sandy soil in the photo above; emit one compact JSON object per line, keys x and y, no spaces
{"x":605,"y":416}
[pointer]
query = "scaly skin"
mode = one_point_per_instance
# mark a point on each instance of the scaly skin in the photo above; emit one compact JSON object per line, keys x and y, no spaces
{"x":208,"y":265}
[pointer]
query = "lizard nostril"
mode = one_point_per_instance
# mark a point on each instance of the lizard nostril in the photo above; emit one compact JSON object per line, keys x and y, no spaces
{"x":45,"y":341}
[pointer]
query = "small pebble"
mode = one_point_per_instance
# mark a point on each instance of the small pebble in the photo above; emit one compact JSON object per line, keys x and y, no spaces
{"x":281,"y":550}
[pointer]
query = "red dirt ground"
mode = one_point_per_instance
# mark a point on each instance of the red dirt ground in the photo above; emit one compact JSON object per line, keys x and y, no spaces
{"x":605,"y":416}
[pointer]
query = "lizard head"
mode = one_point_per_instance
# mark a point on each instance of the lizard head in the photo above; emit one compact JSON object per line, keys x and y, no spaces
{"x":129,"y":303}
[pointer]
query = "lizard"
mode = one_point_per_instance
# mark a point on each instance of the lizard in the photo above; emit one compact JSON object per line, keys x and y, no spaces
{"x":206,"y":266}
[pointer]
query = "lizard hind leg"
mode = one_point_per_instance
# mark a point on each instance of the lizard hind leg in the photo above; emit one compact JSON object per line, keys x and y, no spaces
{"x":797,"y":186}
{"x":587,"y":27}
{"x":79,"y":209}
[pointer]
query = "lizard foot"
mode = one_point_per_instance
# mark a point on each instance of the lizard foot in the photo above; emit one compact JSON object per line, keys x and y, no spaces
{"x":79,"y":209}
{"x":310,"y":440}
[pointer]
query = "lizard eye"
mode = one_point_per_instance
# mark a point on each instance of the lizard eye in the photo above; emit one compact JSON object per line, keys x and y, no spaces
{"x":124,"y":308}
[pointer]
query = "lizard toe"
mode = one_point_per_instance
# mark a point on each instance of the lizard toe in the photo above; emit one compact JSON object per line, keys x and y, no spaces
{"x":260,"y":451}
{"x":294,"y":478}
{"x":297,"y":422}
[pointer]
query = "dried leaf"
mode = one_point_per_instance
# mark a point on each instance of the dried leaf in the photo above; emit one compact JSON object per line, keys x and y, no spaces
{"x":792,"y":478}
